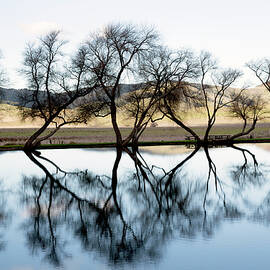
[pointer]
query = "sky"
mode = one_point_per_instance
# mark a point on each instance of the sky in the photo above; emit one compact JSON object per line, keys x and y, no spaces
{"x":234,"y":31}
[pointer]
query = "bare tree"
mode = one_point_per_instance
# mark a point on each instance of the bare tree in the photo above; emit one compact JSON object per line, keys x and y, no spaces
{"x":210,"y":92}
{"x":248,"y":108}
{"x":113,"y":54}
{"x":261,"y":69}
{"x":173,"y":80}
{"x":161,"y":71}
{"x":202,"y":86}
{"x":3,"y":78}
{"x":54,"y":85}
{"x":177,"y":105}
{"x":217,"y":94}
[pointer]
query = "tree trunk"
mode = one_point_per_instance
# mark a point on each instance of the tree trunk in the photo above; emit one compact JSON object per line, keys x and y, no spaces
{"x":116,"y":129}
{"x":32,"y":142}
{"x":119,"y":152}
{"x":243,"y":133}
{"x":208,"y":129}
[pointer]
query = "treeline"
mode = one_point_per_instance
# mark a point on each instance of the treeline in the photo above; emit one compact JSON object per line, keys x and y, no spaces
{"x":171,"y":83}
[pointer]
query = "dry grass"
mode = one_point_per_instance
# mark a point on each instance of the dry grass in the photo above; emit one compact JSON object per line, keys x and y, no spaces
{"x":13,"y":130}
{"x":9,"y":118}
{"x":93,"y":135}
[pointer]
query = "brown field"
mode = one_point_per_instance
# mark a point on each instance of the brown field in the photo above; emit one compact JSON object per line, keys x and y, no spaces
{"x":92,"y":135}
{"x":14,"y":131}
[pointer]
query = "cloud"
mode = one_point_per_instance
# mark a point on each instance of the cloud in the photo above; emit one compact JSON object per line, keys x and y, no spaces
{"x":39,"y":28}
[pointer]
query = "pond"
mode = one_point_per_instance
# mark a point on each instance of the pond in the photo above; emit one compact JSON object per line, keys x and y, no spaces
{"x":152,"y":208}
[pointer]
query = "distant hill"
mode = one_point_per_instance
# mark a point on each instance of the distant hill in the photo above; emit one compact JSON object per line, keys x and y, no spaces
{"x":12,"y":96}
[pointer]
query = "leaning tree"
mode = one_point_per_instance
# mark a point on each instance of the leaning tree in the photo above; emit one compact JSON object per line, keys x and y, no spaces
{"x":161,"y":71}
{"x":169,"y":75}
{"x":212,"y":91}
{"x":55,"y":82}
{"x":249,"y":108}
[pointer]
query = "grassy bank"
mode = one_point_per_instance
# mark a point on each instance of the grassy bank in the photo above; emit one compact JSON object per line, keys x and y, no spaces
{"x":101,"y":135}
{"x":187,"y":143}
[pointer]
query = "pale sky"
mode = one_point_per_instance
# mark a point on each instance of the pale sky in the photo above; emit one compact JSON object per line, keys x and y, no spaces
{"x":234,"y":31}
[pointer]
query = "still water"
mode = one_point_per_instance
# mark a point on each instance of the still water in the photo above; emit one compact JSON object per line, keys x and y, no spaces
{"x":156,"y":208}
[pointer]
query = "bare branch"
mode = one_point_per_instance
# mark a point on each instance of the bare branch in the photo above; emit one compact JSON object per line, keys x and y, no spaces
{"x":54,"y":84}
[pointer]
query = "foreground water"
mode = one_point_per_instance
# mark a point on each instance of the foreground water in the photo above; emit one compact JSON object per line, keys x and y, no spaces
{"x":158,"y":208}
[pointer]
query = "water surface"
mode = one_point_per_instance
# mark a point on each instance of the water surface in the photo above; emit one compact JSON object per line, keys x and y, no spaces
{"x":158,"y":208}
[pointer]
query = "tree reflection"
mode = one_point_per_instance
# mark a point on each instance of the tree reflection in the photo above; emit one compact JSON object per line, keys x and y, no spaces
{"x":54,"y":203}
{"x":248,"y":172}
{"x":128,"y":218}
{"x":5,"y":216}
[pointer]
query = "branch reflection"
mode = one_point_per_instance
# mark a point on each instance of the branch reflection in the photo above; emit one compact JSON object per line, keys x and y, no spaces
{"x":129,"y":217}
{"x":5,"y":216}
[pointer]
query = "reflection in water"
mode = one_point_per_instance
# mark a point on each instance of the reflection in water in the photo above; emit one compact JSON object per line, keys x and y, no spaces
{"x":247,"y":174}
{"x":129,"y":218}
{"x":5,"y":216}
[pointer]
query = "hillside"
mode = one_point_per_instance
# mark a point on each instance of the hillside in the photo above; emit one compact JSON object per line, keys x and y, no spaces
{"x":12,"y":96}
{"x":9,"y":116}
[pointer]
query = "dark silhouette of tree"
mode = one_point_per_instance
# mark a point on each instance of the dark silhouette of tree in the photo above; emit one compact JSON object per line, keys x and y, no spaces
{"x":112,"y":55}
{"x":173,"y":74}
{"x":250,"y":109}
{"x":211,"y":91}
{"x":261,"y":69}
{"x":162,"y":72}
{"x":215,"y":87}
{"x":215,"y":96}
{"x":54,"y":85}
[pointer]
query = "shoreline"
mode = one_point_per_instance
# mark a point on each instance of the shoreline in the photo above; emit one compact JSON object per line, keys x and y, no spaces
{"x":84,"y":135}
{"x":13,"y":138}
{"x":188,"y":144}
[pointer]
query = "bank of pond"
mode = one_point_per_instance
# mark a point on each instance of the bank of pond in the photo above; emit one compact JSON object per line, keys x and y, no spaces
{"x":189,"y":142}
